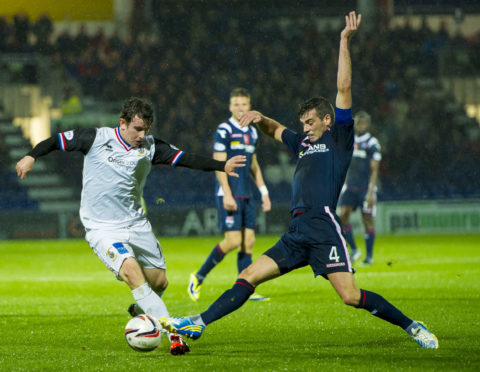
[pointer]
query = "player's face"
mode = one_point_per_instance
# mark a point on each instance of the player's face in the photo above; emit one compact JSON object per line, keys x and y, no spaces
{"x":313,"y":126}
{"x":361,"y":127}
{"x":239,"y":106}
{"x":134,"y":132}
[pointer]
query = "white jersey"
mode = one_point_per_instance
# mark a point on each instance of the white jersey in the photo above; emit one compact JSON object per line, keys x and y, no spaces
{"x":114,"y":174}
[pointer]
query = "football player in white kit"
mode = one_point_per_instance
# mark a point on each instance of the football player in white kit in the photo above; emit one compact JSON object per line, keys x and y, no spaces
{"x":116,"y":165}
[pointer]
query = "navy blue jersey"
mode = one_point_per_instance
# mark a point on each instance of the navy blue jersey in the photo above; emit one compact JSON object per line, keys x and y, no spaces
{"x":234,"y":140}
{"x":366,"y":148}
{"x":322,"y":165}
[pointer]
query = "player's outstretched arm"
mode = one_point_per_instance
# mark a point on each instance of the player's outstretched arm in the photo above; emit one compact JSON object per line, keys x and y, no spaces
{"x":233,"y":163}
{"x":24,"y":166}
{"x":270,"y":127}
{"x":344,"y":75}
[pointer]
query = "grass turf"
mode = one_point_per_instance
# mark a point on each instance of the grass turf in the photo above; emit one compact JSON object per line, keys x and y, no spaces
{"x":61,"y":309}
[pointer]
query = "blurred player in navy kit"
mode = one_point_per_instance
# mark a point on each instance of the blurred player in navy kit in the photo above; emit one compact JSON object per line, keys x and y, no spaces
{"x":360,"y":189}
{"x":314,"y":237}
{"x":235,"y":204}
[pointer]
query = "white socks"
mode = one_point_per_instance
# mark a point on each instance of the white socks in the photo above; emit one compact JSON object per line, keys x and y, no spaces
{"x":150,"y":302}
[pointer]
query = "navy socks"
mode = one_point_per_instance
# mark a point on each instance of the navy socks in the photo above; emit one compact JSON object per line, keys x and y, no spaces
{"x":213,"y":259}
{"x":348,"y":233}
{"x":383,"y":309}
{"x":229,"y":301}
{"x":243,"y":261}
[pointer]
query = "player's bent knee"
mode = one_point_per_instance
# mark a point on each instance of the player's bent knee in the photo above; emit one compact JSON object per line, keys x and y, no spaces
{"x":159,"y":286}
{"x":249,"y":275}
{"x":351,"y":299}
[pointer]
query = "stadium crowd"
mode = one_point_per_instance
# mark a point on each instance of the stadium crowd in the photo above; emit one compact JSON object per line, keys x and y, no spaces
{"x":188,"y":64}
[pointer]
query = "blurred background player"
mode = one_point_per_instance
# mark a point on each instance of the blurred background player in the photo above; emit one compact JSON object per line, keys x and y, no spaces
{"x":235,"y":199}
{"x":360,"y":189}
{"x":116,"y":165}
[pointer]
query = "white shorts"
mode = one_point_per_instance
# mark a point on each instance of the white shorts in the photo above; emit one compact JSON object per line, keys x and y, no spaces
{"x":114,"y":246}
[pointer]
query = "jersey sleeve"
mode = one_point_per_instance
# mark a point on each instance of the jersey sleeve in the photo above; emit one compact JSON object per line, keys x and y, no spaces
{"x":166,"y":153}
{"x":221,"y":138}
{"x":374,"y":149}
{"x":342,"y":130}
{"x":77,"y":140}
{"x":292,"y":139}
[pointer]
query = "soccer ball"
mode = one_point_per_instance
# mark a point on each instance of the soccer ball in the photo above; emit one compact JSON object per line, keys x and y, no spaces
{"x":143,"y":333}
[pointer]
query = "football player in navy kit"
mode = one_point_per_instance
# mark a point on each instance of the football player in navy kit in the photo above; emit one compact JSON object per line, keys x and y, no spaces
{"x":314,"y":236}
{"x":235,"y":202}
{"x":116,"y":165}
{"x":360,"y":189}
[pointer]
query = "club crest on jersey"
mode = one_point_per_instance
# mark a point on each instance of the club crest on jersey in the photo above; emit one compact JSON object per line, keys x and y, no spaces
{"x":112,"y":253}
{"x":246,"y":139}
{"x":141,"y":151}
{"x":68,"y":135}
{"x":319,"y":147}
{"x":229,"y":220}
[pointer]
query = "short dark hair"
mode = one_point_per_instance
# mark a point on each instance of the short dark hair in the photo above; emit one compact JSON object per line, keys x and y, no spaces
{"x":137,"y":106}
{"x":239,"y":92}
{"x":321,"y":105}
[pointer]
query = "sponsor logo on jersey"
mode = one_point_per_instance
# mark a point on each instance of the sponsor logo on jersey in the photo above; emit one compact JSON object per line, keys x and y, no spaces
{"x":108,"y":147}
{"x":121,"y":162}
{"x":320,"y":147}
{"x":68,"y":135}
{"x":173,"y":147}
{"x":236,"y":135}
{"x":359,"y":153}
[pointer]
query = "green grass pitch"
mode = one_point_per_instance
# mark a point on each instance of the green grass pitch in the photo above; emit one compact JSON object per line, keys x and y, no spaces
{"x":62,"y":310}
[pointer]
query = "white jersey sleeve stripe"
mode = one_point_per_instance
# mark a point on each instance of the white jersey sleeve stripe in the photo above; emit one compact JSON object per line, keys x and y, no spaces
{"x":342,"y":239}
{"x":176,"y":158}
{"x":226,"y":127}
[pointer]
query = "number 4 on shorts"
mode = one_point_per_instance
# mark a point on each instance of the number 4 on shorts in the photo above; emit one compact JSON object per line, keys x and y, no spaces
{"x":334,"y":255}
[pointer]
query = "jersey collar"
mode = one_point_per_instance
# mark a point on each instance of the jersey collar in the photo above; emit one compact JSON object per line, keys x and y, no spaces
{"x":120,"y":139}
{"x":237,"y":125}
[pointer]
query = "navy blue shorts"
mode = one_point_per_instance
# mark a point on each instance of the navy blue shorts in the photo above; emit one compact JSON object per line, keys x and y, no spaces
{"x":243,"y":218}
{"x":313,"y":238}
{"x":355,"y":199}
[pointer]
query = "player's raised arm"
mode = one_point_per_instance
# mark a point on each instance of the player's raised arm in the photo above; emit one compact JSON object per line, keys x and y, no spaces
{"x":270,"y":127}
{"x":344,"y":76}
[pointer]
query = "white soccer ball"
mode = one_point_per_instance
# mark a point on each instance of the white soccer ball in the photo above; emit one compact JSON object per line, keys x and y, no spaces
{"x":143,"y":333}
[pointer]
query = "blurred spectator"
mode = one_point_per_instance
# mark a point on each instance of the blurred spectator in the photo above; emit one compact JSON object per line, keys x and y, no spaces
{"x":195,"y":52}
{"x":43,"y":29}
{"x":21,"y":29}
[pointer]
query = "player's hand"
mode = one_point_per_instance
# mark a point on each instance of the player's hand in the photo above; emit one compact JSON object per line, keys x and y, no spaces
{"x":229,"y":203}
{"x":370,"y":199}
{"x":352,"y":22}
{"x":24,"y":166}
{"x":233,"y":163}
{"x":250,"y":117}
{"x":266,"y":203}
